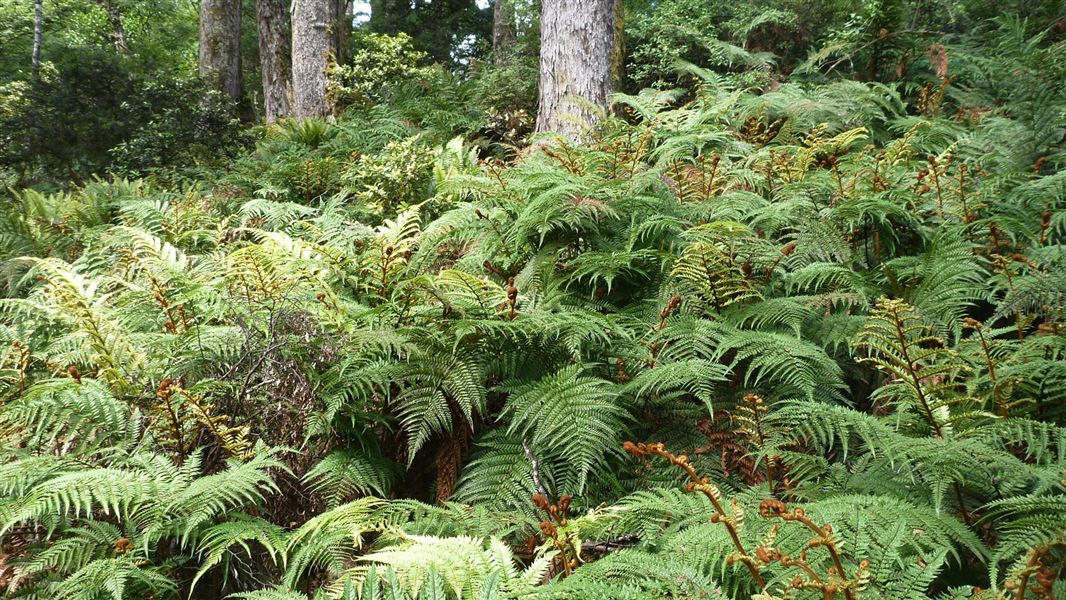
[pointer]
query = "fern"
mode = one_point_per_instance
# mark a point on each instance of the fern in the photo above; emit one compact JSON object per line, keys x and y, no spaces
{"x":567,"y":419}
{"x":841,"y":301}
{"x":901,"y":345}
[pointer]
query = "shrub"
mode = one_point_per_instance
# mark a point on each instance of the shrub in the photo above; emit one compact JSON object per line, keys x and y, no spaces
{"x":92,"y":115}
{"x":380,"y":62}
{"x":389,"y":181}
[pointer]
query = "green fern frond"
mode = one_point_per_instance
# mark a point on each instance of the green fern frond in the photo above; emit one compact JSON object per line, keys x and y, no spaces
{"x":567,"y":418}
{"x":900,"y":344}
{"x":342,"y":474}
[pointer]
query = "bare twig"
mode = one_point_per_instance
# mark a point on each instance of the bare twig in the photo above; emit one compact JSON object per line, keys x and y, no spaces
{"x":626,"y":541}
{"x":537,"y":483}
{"x":879,"y":38}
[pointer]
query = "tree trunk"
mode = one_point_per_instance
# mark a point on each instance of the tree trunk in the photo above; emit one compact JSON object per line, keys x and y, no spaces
{"x":314,"y":42}
{"x":577,"y":45}
{"x":38,"y":35}
{"x":220,"y":46}
{"x":342,"y":30}
{"x":118,"y":32}
{"x":504,"y":33}
{"x":272,"y":18}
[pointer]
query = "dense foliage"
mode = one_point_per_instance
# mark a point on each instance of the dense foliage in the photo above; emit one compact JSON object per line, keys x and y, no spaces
{"x":761,"y":336}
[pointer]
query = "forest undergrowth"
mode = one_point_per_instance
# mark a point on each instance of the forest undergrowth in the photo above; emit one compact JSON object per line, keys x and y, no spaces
{"x":801,"y":342}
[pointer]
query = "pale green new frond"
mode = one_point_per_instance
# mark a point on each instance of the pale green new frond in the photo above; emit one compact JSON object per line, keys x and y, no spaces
{"x":470,"y":294}
{"x":154,"y":250}
{"x":80,"y":493}
{"x":114,"y":578}
{"x":712,"y":276}
{"x":276,"y":594}
{"x":352,"y":519}
{"x":85,"y":414}
{"x":637,"y":575}
{"x":465,"y":564}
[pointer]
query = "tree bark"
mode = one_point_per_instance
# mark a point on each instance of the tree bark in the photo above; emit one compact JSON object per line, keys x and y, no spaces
{"x":38,"y":35}
{"x":504,"y":31}
{"x":314,"y":44}
{"x":577,"y":44}
{"x":275,"y":52}
{"x":220,"y":46}
{"x":118,"y":32}
{"x":342,"y":30}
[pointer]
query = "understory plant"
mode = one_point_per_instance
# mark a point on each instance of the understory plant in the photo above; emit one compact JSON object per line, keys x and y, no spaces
{"x":806,"y":343}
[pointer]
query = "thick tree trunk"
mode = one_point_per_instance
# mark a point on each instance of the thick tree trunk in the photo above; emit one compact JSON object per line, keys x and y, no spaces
{"x":275,"y":52}
{"x":577,"y":45}
{"x":220,"y":46}
{"x":118,"y":32}
{"x":38,"y":35}
{"x":314,"y":42}
{"x":504,"y":34}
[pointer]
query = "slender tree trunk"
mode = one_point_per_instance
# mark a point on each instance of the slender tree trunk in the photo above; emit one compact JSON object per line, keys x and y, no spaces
{"x":275,"y":52}
{"x":577,"y":46}
{"x":618,"y":53}
{"x":504,"y":33}
{"x":314,"y":44}
{"x":342,"y":30}
{"x":38,"y":35}
{"x":220,"y":46}
{"x":118,"y":32}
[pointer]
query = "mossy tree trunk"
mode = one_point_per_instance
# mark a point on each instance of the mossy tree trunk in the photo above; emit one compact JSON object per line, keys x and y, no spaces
{"x":220,"y":46}
{"x":275,"y":52}
{"x":577,"y":47}
{"x":314,"y":45}
{"x":504,"y":30}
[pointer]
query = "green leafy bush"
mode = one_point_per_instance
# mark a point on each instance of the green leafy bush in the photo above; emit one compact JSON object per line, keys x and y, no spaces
{"x":379,"y":62}
{"x":393,"y":179}
{"x":124,"y":124}
{"x":678,"y":30}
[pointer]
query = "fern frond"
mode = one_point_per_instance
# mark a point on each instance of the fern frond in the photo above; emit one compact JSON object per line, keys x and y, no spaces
{"x":568,"y":418}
